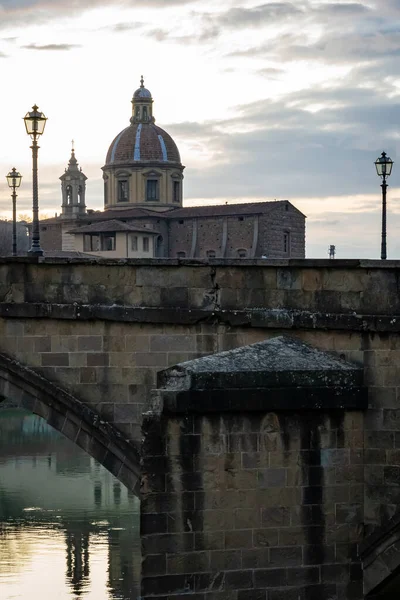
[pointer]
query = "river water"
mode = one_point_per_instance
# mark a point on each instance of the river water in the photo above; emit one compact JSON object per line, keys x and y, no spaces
{"x":68,"y":528}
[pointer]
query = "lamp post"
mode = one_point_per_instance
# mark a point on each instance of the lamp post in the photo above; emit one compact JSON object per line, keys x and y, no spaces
{"x":14,"y":181}
{"x":35,"y":122}
{"x":383,"y":166}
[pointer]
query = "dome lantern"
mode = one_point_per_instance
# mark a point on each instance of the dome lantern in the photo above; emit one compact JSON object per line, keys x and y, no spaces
{"x":142,"y":105}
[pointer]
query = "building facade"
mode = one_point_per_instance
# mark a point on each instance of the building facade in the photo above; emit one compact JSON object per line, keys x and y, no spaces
{"x":144,"y":216}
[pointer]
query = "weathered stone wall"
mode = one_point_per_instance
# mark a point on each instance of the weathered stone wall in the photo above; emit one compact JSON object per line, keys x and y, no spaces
{"x":236,"y":507}
{"x":284,"y":219}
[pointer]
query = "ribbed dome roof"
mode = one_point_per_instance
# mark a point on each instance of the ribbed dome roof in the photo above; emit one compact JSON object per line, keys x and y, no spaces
{"x":142,"y":92}
{"x":142,"y":142}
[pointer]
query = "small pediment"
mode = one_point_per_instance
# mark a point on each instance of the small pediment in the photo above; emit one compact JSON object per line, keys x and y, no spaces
{"x":152,"y":173}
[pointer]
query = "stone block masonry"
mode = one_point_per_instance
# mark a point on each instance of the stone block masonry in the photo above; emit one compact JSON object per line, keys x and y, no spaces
{"x":253,"y":503}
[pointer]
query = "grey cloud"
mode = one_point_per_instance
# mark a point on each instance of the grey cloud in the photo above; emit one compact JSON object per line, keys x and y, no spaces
{"x":271,"y":73}
{"x":211,"y":25}
{"x":280,"y":149}
{"x":121,"y":27}
{"x":16,"y":12}
{"x":258,"y":15}
{"x":349,"y":9}
{"x":50,"y":47}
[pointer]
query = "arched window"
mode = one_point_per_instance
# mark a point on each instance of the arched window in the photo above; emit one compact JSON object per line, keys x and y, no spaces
{"x":180,"y":254}
{"x":80,"y":195}
{"x":211,"y":254}
{"x":105,"y":192}
{"x":242,"y":253}
{"x":144,"y":113}
{"x":69,"y":194}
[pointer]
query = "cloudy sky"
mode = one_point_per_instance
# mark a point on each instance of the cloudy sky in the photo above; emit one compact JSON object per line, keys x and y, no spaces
{"x":265,"y":100}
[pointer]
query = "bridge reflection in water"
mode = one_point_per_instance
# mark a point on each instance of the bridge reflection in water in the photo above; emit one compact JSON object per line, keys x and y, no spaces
{"x":68,"y":528}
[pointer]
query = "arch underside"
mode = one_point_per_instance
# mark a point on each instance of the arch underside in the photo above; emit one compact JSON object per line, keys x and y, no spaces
{"x":22,"y":387}
{"x":381,"y":562}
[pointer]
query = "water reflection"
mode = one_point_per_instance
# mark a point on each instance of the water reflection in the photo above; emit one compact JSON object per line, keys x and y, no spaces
{"x":68,"y":528}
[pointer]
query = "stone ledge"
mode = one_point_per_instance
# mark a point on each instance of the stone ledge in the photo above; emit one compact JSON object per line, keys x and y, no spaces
{"x":261,"y":400}
{"x":251,"y":317}
{"x":223,"y":262}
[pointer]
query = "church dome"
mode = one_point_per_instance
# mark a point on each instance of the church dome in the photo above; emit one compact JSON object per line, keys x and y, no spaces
{"x":142,"y":142}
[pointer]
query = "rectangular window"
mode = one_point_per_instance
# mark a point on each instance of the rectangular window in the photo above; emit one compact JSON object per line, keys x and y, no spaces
{"x":123,"y":190}
{"x":107,"y":242}
{"x":152,"y":189}
{"x":286,"y":243}
{"x":91,"y":243}
{"x":134,"y":243}
{"x":146,"y":244}
{"x":177,"y":192}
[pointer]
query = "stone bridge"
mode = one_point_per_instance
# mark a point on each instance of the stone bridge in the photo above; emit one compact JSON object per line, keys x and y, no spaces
{"x":296,"y":514}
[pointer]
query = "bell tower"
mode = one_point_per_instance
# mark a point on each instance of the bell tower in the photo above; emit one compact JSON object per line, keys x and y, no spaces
{"x":73,"y":188}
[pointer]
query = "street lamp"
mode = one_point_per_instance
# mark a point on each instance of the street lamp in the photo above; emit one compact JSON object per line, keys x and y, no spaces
{"x":383,"y":166}
{"x":35,"y":122}
{"x":14,"y":181}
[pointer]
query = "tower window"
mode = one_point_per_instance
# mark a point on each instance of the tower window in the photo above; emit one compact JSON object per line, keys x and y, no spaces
{"x":106,"y":192}
{"x":134,"y":243}
{"x":210,"y":253}
{"x":176,"y":192}
{"x":80,"y":196}
{"x":180,"y":254}
{"x":146,"y":244}
{"x":123,"y":190}
{"x":69,"y":194}
{"x":240,"y":219}
{"x":242,"y":253}
{"x":152,"y":189}
{"x":180,"y":222}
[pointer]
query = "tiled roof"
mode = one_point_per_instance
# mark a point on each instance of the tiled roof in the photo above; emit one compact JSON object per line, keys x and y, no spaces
{"x":143,"y":142}
{"x":221,"y":210}
{"x":111,"y":226}
{"x":215,"y":210}
{"x":66,"y":254}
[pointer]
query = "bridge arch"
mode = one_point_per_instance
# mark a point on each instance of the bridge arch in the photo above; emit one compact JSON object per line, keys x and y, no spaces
{"x":24,"y":388}
{"x":380,"y":555}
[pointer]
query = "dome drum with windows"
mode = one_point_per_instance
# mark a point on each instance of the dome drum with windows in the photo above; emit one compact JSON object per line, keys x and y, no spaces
{"x":143,"y":165}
